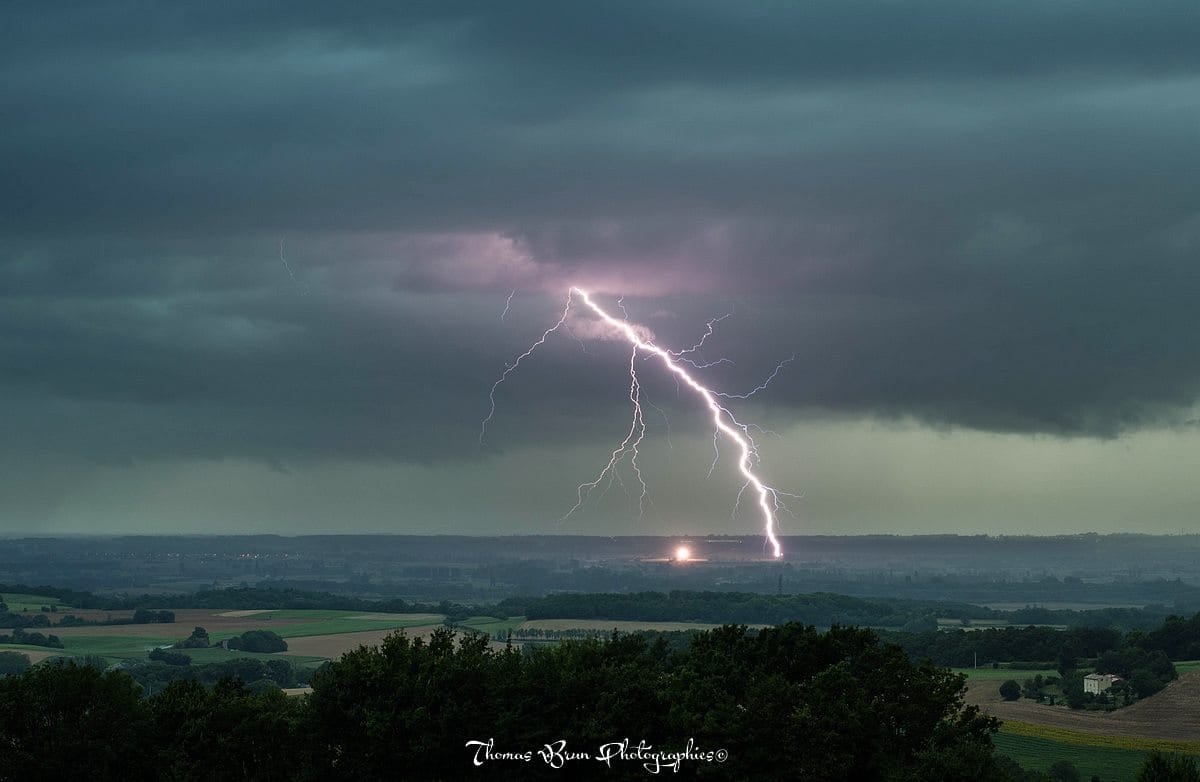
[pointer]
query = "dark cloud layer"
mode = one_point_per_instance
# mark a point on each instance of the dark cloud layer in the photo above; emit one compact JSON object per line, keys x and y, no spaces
{"x":979,"y":215}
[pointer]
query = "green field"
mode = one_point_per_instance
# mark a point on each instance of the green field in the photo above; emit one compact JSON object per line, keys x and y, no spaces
{"x":20,"y":602}
{"x":303,"y":613}
{"x":1111,"y":765}
{"x":218,"y":655}
{"x":1111,"y":757}
{"x":115,"y":645}
{"x":491,"y":625}
{"x":23,"y":648}
{"x":1001,"y":674}
{"x":1183,"y":666}
{"x":332,"y":626}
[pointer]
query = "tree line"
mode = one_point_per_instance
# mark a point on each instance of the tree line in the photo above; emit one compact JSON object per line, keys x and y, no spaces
{"x":25,"y":619}
{"x":783,"y":703}
{"x":820,"y":608}
{"x":20,"y":636}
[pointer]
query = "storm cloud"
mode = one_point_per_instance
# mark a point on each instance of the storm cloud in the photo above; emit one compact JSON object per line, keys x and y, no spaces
{"x":968,"y":216}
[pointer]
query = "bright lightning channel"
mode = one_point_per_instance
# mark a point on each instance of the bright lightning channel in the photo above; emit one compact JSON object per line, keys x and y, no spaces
{"x":723,"y":419}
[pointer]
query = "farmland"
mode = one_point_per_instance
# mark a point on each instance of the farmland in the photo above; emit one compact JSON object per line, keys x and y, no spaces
{"x":1111,"y":757}
{"x":1111,"y":745}
{"x":313,"y":635}
{"x":1173,"y":714}
{"x":982,"y":678}
{"x":1109,"y":764}
{"x":610,"y":625}
{"x":22,"y":602}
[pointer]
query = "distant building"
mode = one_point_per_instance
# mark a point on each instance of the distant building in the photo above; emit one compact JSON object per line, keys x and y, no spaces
{"x":1096,"y":683}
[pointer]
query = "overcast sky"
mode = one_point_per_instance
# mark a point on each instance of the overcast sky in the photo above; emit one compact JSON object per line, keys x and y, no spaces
{"x":976,"y":227}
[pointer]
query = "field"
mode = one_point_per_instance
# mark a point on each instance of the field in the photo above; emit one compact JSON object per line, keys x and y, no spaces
{"x":997,"y":675}
{"x":1187,"y":665}
{"x":34,"y":653}
{"x":611,"y":624}
{"x":956,"y":624}
{"x":1111,"y":757}
{"x":312,"y":636}
{"x":1173,"y":714}
{"x":1111,"y":765}
{"x":19,"y":602}
{"x":1059,"y":606}
{"x":1111,"y":745}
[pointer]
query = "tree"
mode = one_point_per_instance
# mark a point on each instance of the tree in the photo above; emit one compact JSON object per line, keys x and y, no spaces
{"x":73,"y":722}
{"x":1066,"y":662}
{"x":197,"y":640}
{"x":1064,"y":771}
{"x":170,"y":658}
{"x":86,"y":660}
{"x":922,"y":624}
{"x":13,"y":663}
{"x":258,"y":641}
{"x":847,"y":705}
{"x":1010,"y":690}
{"x":1168,"y":767}
{"x":227,"y":732}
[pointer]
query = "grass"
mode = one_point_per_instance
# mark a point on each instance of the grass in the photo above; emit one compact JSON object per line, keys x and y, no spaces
{"x":1001,"y":674}
{"x":1111,"y":765}
{"x":331,"y":626}
{"x":114,"y":647}
{"x":117,"y":648}
{"x":216,"y":655}
{"x":1113,"y":758}
{"x":605,"y":626}
{"x":21,"y":602}
{"x":1093,"y":740}
{"x":1184,"y":666}
{"x":957,"y":623}
{"x":492,"y":625}
{"x":27,"y":648}
{"x":301,"y":613}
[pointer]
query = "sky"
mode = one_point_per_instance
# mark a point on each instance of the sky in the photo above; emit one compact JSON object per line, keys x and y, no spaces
{"x":255,"y":260}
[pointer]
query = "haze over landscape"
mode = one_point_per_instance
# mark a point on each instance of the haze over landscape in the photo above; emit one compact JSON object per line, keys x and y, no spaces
{"x":976,"y":232}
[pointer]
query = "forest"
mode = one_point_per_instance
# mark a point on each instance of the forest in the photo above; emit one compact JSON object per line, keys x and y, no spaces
{"x":783,"y":703}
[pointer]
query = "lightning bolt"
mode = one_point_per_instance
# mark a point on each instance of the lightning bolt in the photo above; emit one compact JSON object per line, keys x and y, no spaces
{"x":708,"y":332}
{"x":303,"y":288}
{"x":513,"y":366}
{"x":637,"y":432}
{"x":768,"y":498}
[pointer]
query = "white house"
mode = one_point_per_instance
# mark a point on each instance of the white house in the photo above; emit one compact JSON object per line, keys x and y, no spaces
{"x":1096,"y":683}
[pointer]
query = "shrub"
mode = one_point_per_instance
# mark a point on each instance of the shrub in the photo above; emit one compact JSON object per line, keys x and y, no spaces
{"x":258,"y":641}
{"x":13,"y":663}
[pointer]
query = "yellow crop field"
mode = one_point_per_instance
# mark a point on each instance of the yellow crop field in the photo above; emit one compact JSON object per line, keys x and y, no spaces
{"x":1109,"y":741}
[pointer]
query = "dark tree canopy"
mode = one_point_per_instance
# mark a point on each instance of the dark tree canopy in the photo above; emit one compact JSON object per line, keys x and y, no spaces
{"x":784,"y":703}
{"x":258,"y":641}
{"x":13,"y":662}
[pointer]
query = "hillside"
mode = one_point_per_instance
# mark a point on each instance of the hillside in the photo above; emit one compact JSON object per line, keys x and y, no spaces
{"x":1173,"y":713}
